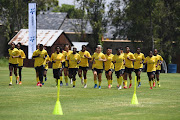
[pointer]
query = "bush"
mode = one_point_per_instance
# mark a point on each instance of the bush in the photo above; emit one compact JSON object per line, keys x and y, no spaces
{"x":3,"y":61}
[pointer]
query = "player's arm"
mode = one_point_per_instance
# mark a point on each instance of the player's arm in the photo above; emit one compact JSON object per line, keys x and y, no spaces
{"x":17,"y":55}
{"x":88,"y":56}
{"x":52,"y":58}
{"x":145,"y":61}
{"x":79,"y":59}
{"x":35,"y":55}
{"x":103,"y":58}
{"x":131,"y":58}
{"x":23,"y":56}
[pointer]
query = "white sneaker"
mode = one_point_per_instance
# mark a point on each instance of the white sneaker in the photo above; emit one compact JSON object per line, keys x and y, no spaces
{"x":82,"y":81}
{"x":71,"y":81}
{"x":10,"y":83}
{"x":85,"y":86}
{"x":120,"y":87}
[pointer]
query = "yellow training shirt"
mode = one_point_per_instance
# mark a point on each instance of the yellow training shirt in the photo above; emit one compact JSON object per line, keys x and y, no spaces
{"x":14,"y":52}
{"x":46,"y":65}
{"x":138,"y":60}
{"x":119,"y":62}
{"x":108,"y":64}
{"x":151,"y":66}
{"x":23,"y":56}
{"x":84,"y":61}
{"x":66,"y":54}
{"x":98,"y":64}
{"x":128,"y":63}
{"x":58,"y":60}
{"x":158,"y":59}
{"x":73,"y":60}
{"x":41,"y":59}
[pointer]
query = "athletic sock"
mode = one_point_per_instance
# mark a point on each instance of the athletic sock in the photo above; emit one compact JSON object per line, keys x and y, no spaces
{"x":150,"y":84}
{"x":17,"y":77}
{"x":153,"y":80}
{"x":95,"y":81}
{"x":109,"y":82}
{"x":61,"y":78}
{"x":37,"y":79}
{"x":10,"y":78}
{"x":120,"y":80}
{"x":130,"y":81}
{"x":99,"y":83}
{"x":125,"y":82}
{"x":158,"y":82}
{"x":66,"y":79}
{"x":139,"y":80}
{"x":85,"y":81}
{"x":74,"y":83}
{"x":81,"y":77}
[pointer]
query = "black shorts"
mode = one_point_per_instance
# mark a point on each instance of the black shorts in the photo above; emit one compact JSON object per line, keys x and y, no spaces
{"x":20,"y":67}
{"x":13,"y":65}
{"x":45,"y":69}
{"x":84,"y":68}
{"x":63,"y":64}
{"x":120,"y":72}
{"x":128,"y":70}
{"x":158,"y":72}
{"x":73,"y":71}
{"x":123,"y":70}
{"x":150,"y":73}
{"x":137,"y":70}
{"x":57,"y":73}
{"x":98,"y":70}
{"x":108,"y":71}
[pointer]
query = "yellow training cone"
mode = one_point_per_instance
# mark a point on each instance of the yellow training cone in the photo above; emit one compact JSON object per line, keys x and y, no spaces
{"x":134,"y":98}
{"x":58,"y":108}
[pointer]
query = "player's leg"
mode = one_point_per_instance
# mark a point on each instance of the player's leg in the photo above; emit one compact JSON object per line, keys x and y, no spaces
{"x":95,"y":78}
{"x":15,"y":73}
{"x":20,"y":74}
{"x":80,"y":75}
{"x":99,"y":79}
{"x":10,"y":73}
{"x":74,"y":72}
{"x":120,"y":79}
{"x":61,"y":77}
{"x":130,"y":77}
{"x":109,"y":78}
{"x":45,"y":74}
{"x":85,"y":77}
{"x":157,"y":78}
{"x":66,"y":74}
{"x":125,"y":78}
{"x":117,"y":75}
{"x":41,"y":73}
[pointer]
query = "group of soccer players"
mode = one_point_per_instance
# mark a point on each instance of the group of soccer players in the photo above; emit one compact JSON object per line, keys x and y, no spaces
{"x":71,"y":63}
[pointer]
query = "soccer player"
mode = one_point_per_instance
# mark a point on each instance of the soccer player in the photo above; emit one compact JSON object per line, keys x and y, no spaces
{"x":84,"y":65}
{"x":40,"y":56}
{"x":109,"y":66}
{"x":73,"y":61}
{"x":98,"y":58}
{"x":46,"y":66}
{"x":57,"y":58}
{"x":66,"y":53}
{"x":129,"y":59}
{"x":20,"y":60}
{"x":13,"y":62}
{"x":151,"y":67}
{"x":118,"y":61}
{"x":123,"y":67}
{"x":138,"y":64}
{"x":35,"y":65}
{"x":158,"y":63}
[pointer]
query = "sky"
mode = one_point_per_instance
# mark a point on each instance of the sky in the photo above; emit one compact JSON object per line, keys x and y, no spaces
{"x":71,"y":2}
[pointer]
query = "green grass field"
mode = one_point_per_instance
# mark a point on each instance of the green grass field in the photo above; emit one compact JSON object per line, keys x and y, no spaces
{"x":29,"y":102}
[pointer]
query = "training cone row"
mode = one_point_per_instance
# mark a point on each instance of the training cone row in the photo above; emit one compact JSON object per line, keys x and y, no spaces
{"x":58,"y":108}
{"x":134,"y":98}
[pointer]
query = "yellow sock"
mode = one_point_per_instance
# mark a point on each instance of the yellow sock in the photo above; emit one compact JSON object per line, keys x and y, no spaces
{"x":120,"y":80}
{"x":130,"y":81}
{"x":61,"y":78}
{"x":109,"y":82}
{"x":158,"y":82}
{"x":139,"y":80}
{"x":85,"y":81}
{"x":95,"y":81}
{"x":153,"y":80}
{"x":150,"y":84}
{"x":37,"y":79}
{"x":66,"y":79}
{"x":74,"y":83}
{"x":10,"y":78}
{"x":81,"y":77}
{"x":17,"y":77}
{"x":125,"y":82}
{"x":99,"y":83}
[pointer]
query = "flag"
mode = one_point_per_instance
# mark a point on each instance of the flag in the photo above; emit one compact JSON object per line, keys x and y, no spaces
{"x":32,"y":29}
